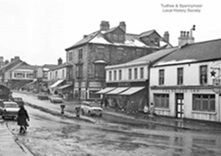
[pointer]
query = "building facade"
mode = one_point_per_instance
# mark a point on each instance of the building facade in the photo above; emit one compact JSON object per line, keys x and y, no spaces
{"x":128,"y":83}
{"x":186,"y":83}
{"x":107,"y":46}
{"x":60,"y":80}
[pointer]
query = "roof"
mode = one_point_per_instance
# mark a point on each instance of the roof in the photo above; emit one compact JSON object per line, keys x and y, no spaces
{"x":12,"y":64}
{"x":49,"y":66}
{"x":130,"y":39}
{"x":27,"y":67}
{"x":63,"y":65}
{"x":196,"y":52}
{"x":155,"y":56}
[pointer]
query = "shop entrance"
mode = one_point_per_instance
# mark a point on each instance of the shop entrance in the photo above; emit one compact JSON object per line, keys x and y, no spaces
{"x":179,"y":105}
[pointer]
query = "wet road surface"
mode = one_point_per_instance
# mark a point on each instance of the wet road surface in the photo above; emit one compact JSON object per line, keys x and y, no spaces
{"x":57,"y":136}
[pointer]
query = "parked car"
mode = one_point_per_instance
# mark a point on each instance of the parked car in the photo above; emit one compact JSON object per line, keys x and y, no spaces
{"x":55,"y":99}
{"x":91,"y":108}
{"x":18,"y":100}
{"x":43,"y":96}
{"x":9,"y":109}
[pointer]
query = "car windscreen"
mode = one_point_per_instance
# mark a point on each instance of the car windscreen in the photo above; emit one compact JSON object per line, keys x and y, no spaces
{"x":11,"y":105}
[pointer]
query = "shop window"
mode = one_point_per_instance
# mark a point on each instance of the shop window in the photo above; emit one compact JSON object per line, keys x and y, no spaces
{"x":179,"y":76}
{"x":161,"y":100}
{"x":204,"y":102}
{"x":161,"y":77}
{"x":203,"y":74}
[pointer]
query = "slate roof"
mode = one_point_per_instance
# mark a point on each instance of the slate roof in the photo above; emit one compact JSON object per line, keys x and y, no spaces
{"x":12,"y":64}
{"x":61,"y":66}
{"x":196,"y":52}
{"x":130,"y":39}
{"x":150,"y":58}
{"x":27,"y":67}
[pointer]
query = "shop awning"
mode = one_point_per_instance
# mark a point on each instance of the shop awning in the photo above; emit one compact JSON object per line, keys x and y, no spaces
{"x":57,"y":83}
{"x":105,"y":90}
{"x":117,"y":90}
{"x":64,"y":86}
{"x":132,"y":90}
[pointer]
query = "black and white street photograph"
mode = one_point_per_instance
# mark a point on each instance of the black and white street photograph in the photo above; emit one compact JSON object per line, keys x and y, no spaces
{"x":110,"y":78}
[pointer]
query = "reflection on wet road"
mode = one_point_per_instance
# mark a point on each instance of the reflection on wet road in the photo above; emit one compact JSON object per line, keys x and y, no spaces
{"x":50,"y":135}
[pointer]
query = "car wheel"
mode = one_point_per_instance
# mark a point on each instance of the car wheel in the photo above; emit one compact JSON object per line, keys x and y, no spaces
{"x":3,"y":117}
{"x":100,"y":115}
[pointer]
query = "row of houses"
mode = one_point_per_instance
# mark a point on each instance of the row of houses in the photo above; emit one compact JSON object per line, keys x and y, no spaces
{"x":133,"y":70}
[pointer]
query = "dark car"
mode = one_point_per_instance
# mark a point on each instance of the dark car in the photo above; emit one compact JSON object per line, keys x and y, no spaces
{"x":18,"y":100}
{"x":9,"y":109}
{"x":43,"y":96}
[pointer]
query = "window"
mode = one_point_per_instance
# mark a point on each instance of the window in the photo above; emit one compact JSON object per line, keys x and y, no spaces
{"x":115,"y":75}
{"x":63,"y":76}
{"x":161,"y":100}
{"x":110,"y":75}
{"x":80,"y":54}
{"x":30,"y":75}
{"x":204,"y":102}
{"x":79,"y":71}
{"x":99,"y":70}
{"x":179,"y":76}
{"x":161,"y":77}
{"x":135,"y":73}
{"x":56,"y":74}
{"x":120,"y":74}
{"x":203,"y":75}
{"x":130,"y":74}
{"x":70,"y":57}
{"x":141,"y":73}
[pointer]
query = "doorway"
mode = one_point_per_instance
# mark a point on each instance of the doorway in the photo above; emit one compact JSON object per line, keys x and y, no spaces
{"x":179,"y":105}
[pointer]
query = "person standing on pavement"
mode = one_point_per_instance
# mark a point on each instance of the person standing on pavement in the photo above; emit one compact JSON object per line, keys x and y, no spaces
{"x":152,"y":110}
{"x":23,"y":119}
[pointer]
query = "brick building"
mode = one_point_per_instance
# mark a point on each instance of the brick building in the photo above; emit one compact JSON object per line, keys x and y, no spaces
{"x":107,"y":46}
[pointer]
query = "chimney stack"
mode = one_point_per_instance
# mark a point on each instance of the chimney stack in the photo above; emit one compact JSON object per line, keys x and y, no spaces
{"x":186,"y":37}
{"x":166,"y":36}
{"x":122,"y":25}
{"x":60,"y":61}
{"x":104,"y":26}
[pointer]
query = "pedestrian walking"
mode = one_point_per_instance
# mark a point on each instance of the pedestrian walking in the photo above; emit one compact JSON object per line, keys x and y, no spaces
{"x":23,"y":119}
{"x":146,"y":111}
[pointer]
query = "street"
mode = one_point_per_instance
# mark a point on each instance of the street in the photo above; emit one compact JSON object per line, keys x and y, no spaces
{"x":52,"y":135}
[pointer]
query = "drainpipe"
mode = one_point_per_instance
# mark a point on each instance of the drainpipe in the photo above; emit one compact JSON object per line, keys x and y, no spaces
{"x":148,"y":83}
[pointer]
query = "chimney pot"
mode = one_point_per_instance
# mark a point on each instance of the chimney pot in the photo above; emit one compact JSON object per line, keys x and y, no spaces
{"x":104,"y":25}
{"x":60,"y":61}
{"x":122,"y":25}
{"x":166,"y":36}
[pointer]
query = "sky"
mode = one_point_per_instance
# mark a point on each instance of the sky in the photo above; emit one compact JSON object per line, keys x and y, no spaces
{"x":39,"y":31}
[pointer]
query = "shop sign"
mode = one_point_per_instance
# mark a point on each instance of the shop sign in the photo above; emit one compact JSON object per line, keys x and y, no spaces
{"x":180,"y":90}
